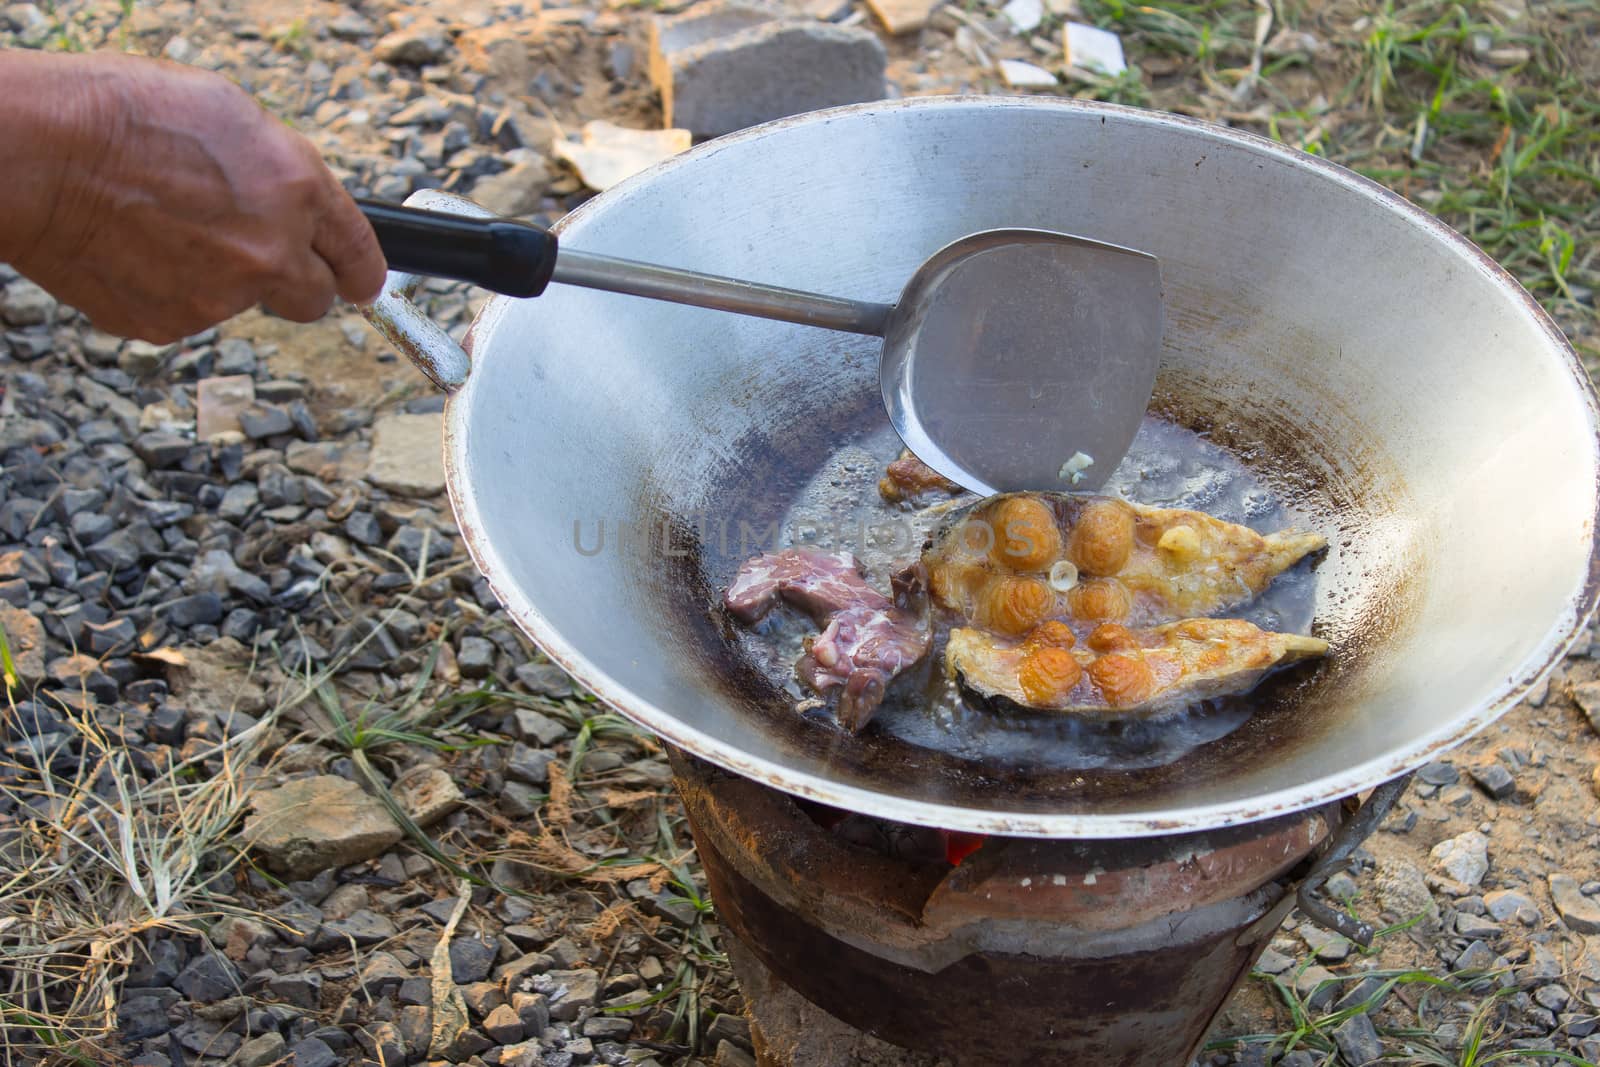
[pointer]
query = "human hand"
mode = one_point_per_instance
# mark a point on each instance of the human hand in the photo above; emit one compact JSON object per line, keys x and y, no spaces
{"x":159,"y":199}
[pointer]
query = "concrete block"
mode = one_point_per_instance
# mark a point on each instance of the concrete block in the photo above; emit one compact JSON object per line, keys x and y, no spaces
{"x":723,"y":66}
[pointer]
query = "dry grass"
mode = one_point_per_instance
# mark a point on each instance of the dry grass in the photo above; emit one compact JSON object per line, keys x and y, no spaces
{"x":94,"y":860}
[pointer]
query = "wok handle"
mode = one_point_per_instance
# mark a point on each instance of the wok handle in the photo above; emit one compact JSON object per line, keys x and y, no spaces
{"x":504,"y":255}
{"x":406,"y":326}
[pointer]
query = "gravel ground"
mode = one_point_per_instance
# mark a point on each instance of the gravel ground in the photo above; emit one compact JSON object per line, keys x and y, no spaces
{"x":227,"y":643}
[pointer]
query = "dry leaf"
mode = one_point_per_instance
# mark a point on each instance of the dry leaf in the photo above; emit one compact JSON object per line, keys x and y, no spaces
{"x":627,"y":798}
{"x":160,"y":657}
{"x":610,"y":154}
{"x":559,"y":808}
{"x":612,"y":919}
{"x":450,"y":1018}
{"x":556,"y":855}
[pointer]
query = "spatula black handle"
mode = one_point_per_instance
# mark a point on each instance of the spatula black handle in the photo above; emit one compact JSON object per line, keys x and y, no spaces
{"x":504,"y":255}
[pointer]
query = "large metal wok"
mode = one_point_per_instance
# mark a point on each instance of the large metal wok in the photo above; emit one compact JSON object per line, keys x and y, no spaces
{"x":1388,"y":380}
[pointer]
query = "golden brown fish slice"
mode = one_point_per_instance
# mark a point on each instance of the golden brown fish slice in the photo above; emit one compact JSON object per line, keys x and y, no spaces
{"x":1013,"y":560}
{"x":1118,"y":672}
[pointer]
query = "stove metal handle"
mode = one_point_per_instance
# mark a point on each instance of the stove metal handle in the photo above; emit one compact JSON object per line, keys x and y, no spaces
{"x":1355,"y":830}
{"x":405,"y":325}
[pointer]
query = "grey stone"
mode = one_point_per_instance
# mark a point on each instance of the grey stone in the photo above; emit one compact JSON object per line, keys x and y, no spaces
{"x":517,"y":975}
{"x":238,"y":501}
{"x":264,"y":420}
{"x":1358,"y":1040}
{"x":413,"y":46}
{"x":409,"y":542}
{"x":730,"y":1055}
{"x":724,"y":66}
{"x":427,"y":794}
{"x":415,"y":991}
{"x":534,"y":1011}
{"x":530,"y":765}
{"x":22,"y":303}
{"x":424,"y":111}
{"x":210,"y":976}
{"x":608,"y":1027}
{"x":161,"y":449}
{"x":1494,"y":779}
{"x":517,"y":190}
{"x":1464,"y":857}
{"x":519,"y":801}
{"x":29,"y":345}
{"x":570,"y":992}
{"x":364,"y":927}
{"x":261,"y":1051}
{"x":205,"y":1037}
{"x":141,"y":359}
{"x":1506,"y":904}
{"x":350,"y":26}
{"x":537,"y":728}
{"x":471,"y":958}
{"x":1340,"y":886}
{"x":504,"y":1025}
{"x":545,"y":679}
{"x":481,"y":998}
{"x":1317,"y":987}
{"x":1439,"y":774}
{"x":1581,"y":914}
{"x":26,"y":636}
{"x":475,"y":657}
{"x":662,"y":902}
{"x":1365,"y":994}
{"x":102,"y":637}
{"x":1273,"y":962}
{"x":89,"y":527}
{"x":382,"y":975}
{"x":201,"y":609}
{"x":314,"y":1052}
{"x":725,"y":1027}
{"x":525,"y":1054}
{"x":362,"y":528}
{"x":1329,"y":948}
{"x":314,"y":823}
{"x":235,"y":355}
{"x":1474,"y":926}
{"x":156,"y":965}
{"x":407,"y":455}
{"x":1475,"y":957}
{"x":142,"y":1017}
{"x":303,"y":990}
{"x":416,"y":1026}
{"x":1553,"y":997}
{"x":439,"y":910}
{"x":1587,"y":697}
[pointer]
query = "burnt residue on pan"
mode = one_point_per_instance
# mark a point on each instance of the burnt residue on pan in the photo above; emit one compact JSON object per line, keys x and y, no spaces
{"x":1348,"y":495}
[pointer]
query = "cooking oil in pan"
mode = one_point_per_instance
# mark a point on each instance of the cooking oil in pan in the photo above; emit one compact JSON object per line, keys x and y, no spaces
{"x":1167,"y":466}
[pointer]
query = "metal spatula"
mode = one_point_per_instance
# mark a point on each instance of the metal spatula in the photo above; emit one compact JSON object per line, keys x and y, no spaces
{"x":1013,"y":359}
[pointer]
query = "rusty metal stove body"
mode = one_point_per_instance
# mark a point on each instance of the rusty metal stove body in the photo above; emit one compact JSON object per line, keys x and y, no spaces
{"x":1114,"y":953}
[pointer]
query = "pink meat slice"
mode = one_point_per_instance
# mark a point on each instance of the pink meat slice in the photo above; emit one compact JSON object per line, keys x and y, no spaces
{"x":867,"y":639}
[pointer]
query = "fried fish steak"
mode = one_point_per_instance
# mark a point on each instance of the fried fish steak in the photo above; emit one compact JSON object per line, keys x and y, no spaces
{"x":1118,"y":671}
{"x":1018,"y":559}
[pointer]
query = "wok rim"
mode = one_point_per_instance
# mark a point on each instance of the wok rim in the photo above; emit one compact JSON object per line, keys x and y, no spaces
{"x":1563,"y":632}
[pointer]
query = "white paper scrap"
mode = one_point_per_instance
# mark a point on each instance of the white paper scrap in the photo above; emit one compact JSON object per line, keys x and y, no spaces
{"x":1093,"y":49}
{"x":610,"y":154}
{"x":1024,"y":15}
{"x":1020,"y":75}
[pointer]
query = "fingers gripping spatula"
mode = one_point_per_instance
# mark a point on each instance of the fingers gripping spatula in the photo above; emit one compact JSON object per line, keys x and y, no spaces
{"x":1013,"y":359}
